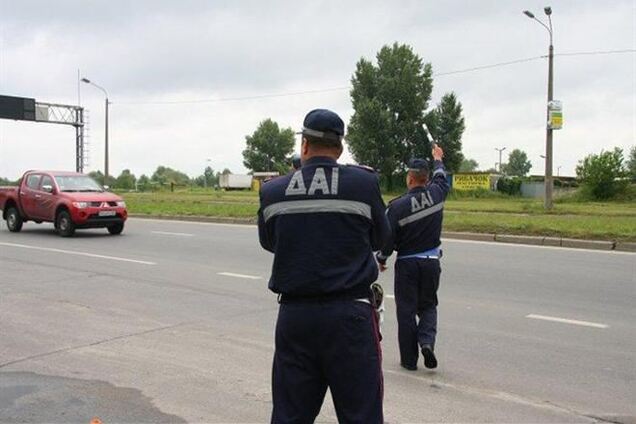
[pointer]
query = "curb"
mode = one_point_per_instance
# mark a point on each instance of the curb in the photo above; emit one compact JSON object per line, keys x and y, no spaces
{"x":497,"y":238}
{"x":545,"y":241}
{"x":506,"y":238}
{"x":625,"y":246}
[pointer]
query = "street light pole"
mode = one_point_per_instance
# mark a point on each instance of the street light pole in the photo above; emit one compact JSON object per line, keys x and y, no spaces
{"x":87,"y":81}
{"x":106,"y":142}
{"x":205,"y":176}
{"x":500,"y":150}
{"x":547,"y":203}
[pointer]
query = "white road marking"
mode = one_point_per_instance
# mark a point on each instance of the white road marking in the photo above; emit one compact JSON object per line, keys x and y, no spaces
{"x":71,"y":252}
{"x":567,"y":321}
{"x":231,"y":274}
{"x":168,"y":233}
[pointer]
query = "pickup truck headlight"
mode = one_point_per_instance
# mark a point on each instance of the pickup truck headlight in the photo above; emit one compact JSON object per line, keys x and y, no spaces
{"x":121,"y":204}
{"x":80,"y":205}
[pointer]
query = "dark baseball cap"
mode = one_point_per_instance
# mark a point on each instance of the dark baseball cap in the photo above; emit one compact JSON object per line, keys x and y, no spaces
{"x":416,"y":164}
{"x":323,"y":123}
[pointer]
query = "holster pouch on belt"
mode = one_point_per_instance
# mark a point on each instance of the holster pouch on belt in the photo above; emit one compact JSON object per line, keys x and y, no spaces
{"x":377,"y":301}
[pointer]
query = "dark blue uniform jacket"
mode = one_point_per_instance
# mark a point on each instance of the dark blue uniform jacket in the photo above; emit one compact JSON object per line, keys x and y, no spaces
{"x":322,"y":223}
{"x":416,"y":217}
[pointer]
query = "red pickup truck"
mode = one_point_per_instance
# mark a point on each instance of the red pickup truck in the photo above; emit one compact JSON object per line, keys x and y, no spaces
{"x":70,"y":200}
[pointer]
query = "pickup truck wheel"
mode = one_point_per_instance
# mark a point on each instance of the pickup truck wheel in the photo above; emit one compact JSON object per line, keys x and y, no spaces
{"x":116,"y":229}
{"x":64,"y":224}
{"x":14,"y":220}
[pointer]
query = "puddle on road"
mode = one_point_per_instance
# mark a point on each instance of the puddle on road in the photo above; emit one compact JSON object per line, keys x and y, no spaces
{"x":30,"y":397}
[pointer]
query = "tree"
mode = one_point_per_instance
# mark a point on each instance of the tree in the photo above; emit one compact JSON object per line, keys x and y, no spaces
{"x":210,"y":178}
{"x":631,"y":163}
{"x":7,"y":182}
{"x":99,"y":177}
{"x":268,"y":148}
{"x":166,"y":175}
{"x":518,"y":164}
{"x":468,"y":165}
{"x":603,"y":175}
{"x":389,"y":101}
{"x":126,"y":180}
{"x":143,"y":183}
{"x":447,"y":127}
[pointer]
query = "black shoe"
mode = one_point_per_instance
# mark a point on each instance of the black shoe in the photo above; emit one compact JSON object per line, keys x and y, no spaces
{"x":430,"y":361}
{"x":409,"y":367}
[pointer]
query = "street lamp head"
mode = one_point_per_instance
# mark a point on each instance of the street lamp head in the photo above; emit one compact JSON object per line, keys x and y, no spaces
{"x":547,"y":10}
{"x":86,"y":80}
{"x":528,"y":14}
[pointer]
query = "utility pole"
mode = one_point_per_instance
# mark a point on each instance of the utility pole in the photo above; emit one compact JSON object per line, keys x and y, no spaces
{"x":500,"y":151}
{"x":547,"y":204}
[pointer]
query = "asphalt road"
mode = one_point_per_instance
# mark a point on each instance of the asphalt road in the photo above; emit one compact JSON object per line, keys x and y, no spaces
{"x":173,"y":322}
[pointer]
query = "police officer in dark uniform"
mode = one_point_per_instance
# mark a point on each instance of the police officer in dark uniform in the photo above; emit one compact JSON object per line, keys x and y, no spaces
{"x":416,"y":223}
{"x":323,"y":223}
{"x":296,"y":162}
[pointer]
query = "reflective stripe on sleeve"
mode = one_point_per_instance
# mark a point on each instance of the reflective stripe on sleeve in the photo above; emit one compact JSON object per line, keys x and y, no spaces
{"x":421,"y":214}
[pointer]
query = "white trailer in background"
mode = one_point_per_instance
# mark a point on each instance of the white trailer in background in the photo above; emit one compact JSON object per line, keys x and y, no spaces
{"x":235,"y":182}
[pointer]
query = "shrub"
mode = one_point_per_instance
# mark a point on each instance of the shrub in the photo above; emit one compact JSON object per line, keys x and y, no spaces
{"x":603,"y":176}
{"x":511,"y":186}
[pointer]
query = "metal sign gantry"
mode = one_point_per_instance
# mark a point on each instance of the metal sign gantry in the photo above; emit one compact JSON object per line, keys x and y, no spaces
{"x":28,"y":109}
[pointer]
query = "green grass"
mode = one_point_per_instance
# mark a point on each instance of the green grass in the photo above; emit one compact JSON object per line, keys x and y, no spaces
{"x":490,"y":214}
{"x":613,"y":228}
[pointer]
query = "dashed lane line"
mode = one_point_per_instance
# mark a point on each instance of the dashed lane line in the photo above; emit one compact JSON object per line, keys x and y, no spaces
{"x":231,"y":274}
{"x":75,"y":253}
{"x":567,"y":321}
{"x":169,"y":233}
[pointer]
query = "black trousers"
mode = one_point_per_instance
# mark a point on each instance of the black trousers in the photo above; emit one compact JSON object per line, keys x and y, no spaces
{"x":416,"y":284}
{"x":329,"y":344}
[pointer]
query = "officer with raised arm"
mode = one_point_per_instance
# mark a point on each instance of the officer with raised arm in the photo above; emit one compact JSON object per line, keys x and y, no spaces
{"x":323,"y":223}
{"x":416,"y":223}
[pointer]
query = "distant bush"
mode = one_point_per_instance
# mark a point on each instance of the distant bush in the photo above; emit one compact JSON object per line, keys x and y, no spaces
{"x":509,"y":185}
{"x":6,"y":182}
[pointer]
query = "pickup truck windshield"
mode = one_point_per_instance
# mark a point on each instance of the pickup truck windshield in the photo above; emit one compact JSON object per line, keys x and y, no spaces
{"x":77,"y":183}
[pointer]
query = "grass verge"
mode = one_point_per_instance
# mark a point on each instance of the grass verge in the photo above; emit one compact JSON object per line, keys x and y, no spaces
{"x":572,"y":219}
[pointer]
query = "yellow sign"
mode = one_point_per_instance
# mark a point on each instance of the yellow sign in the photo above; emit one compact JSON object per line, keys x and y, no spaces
{"x":471,"y":181}
{"x":555,"y":115}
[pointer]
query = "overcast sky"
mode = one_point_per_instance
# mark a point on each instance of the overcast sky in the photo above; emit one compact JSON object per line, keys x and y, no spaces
{"x":163,"y":50}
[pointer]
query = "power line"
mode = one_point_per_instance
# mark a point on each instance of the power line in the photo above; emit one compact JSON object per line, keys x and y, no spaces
{"x":594,"y":53}
{"x":234,"y":99}
{"x":494,"y":65}
{"x":327,"y":90}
